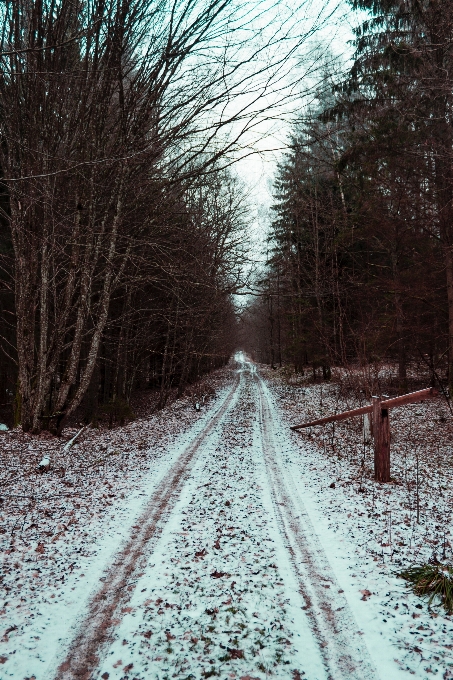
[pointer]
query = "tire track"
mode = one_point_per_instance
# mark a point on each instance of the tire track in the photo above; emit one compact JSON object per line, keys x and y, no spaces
{"x":100,"y":620}
{"x":344,"y":655}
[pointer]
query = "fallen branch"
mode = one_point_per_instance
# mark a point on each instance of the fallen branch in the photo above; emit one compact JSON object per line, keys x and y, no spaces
{"x":68,"y":444}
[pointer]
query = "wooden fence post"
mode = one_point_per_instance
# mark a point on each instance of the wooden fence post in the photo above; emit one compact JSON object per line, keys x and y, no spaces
{"x":380,"y":426}
{"x":381,"y":431}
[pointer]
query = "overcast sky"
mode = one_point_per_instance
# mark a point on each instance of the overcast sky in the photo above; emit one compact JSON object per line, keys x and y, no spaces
{"x":268,"y":142}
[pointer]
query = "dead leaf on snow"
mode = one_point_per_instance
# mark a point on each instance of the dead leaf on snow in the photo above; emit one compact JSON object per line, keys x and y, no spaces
{"x":7,"y":632}
{"x":235,"y":653}
{"x":219,"y":574}
{"x":212,"y":612}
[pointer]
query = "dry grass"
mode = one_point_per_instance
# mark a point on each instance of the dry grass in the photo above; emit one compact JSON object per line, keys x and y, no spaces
{"x":432,"y":581}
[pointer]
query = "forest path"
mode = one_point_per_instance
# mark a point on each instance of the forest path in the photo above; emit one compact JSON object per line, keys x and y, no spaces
{"x":224,"y":575}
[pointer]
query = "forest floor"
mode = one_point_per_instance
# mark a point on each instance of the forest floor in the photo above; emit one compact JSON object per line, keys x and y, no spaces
{"x":220,"y":544}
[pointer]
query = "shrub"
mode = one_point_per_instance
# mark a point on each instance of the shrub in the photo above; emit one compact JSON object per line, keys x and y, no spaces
{"x":432,"y":580}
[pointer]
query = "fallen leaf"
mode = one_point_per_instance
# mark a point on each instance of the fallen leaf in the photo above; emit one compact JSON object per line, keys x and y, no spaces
{"x":219,"y":574}
{"x":212,"y":612}
{"x":8,"y":631}
{"x":235,"y":653}
{"x":56,"y":537}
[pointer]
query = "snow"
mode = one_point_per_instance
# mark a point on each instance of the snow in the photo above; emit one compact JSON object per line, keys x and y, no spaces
{"x":369,"y":530}
{"x":44,"y":462}
{"x":218,"y":595}
{"x":218,"y":592}
{"x":60,"y":531}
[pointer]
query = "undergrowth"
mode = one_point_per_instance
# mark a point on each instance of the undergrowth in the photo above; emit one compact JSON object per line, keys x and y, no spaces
{"x":432,"y":581}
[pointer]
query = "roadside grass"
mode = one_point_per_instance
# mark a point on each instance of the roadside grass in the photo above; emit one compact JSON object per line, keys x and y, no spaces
{"x":432,"y":581}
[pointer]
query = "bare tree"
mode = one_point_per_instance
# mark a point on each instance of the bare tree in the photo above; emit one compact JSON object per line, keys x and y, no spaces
{"x":98,"y":101}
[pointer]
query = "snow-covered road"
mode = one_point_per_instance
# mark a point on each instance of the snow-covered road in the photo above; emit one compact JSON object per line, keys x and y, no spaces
{"x":224,"y":573}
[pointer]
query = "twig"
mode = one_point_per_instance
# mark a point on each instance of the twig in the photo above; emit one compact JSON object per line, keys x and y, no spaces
{"x":431,"y":368}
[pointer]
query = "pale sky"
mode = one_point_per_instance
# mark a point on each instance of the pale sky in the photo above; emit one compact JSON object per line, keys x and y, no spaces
{"x":258,"y":170}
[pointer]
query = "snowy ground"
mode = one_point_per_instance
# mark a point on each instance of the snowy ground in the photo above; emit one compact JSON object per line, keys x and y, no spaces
{"x":213,"y":545}
{"x":370,"y":531}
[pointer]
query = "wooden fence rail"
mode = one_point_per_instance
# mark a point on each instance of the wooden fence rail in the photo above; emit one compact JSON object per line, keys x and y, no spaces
{"x":381,"y":426}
